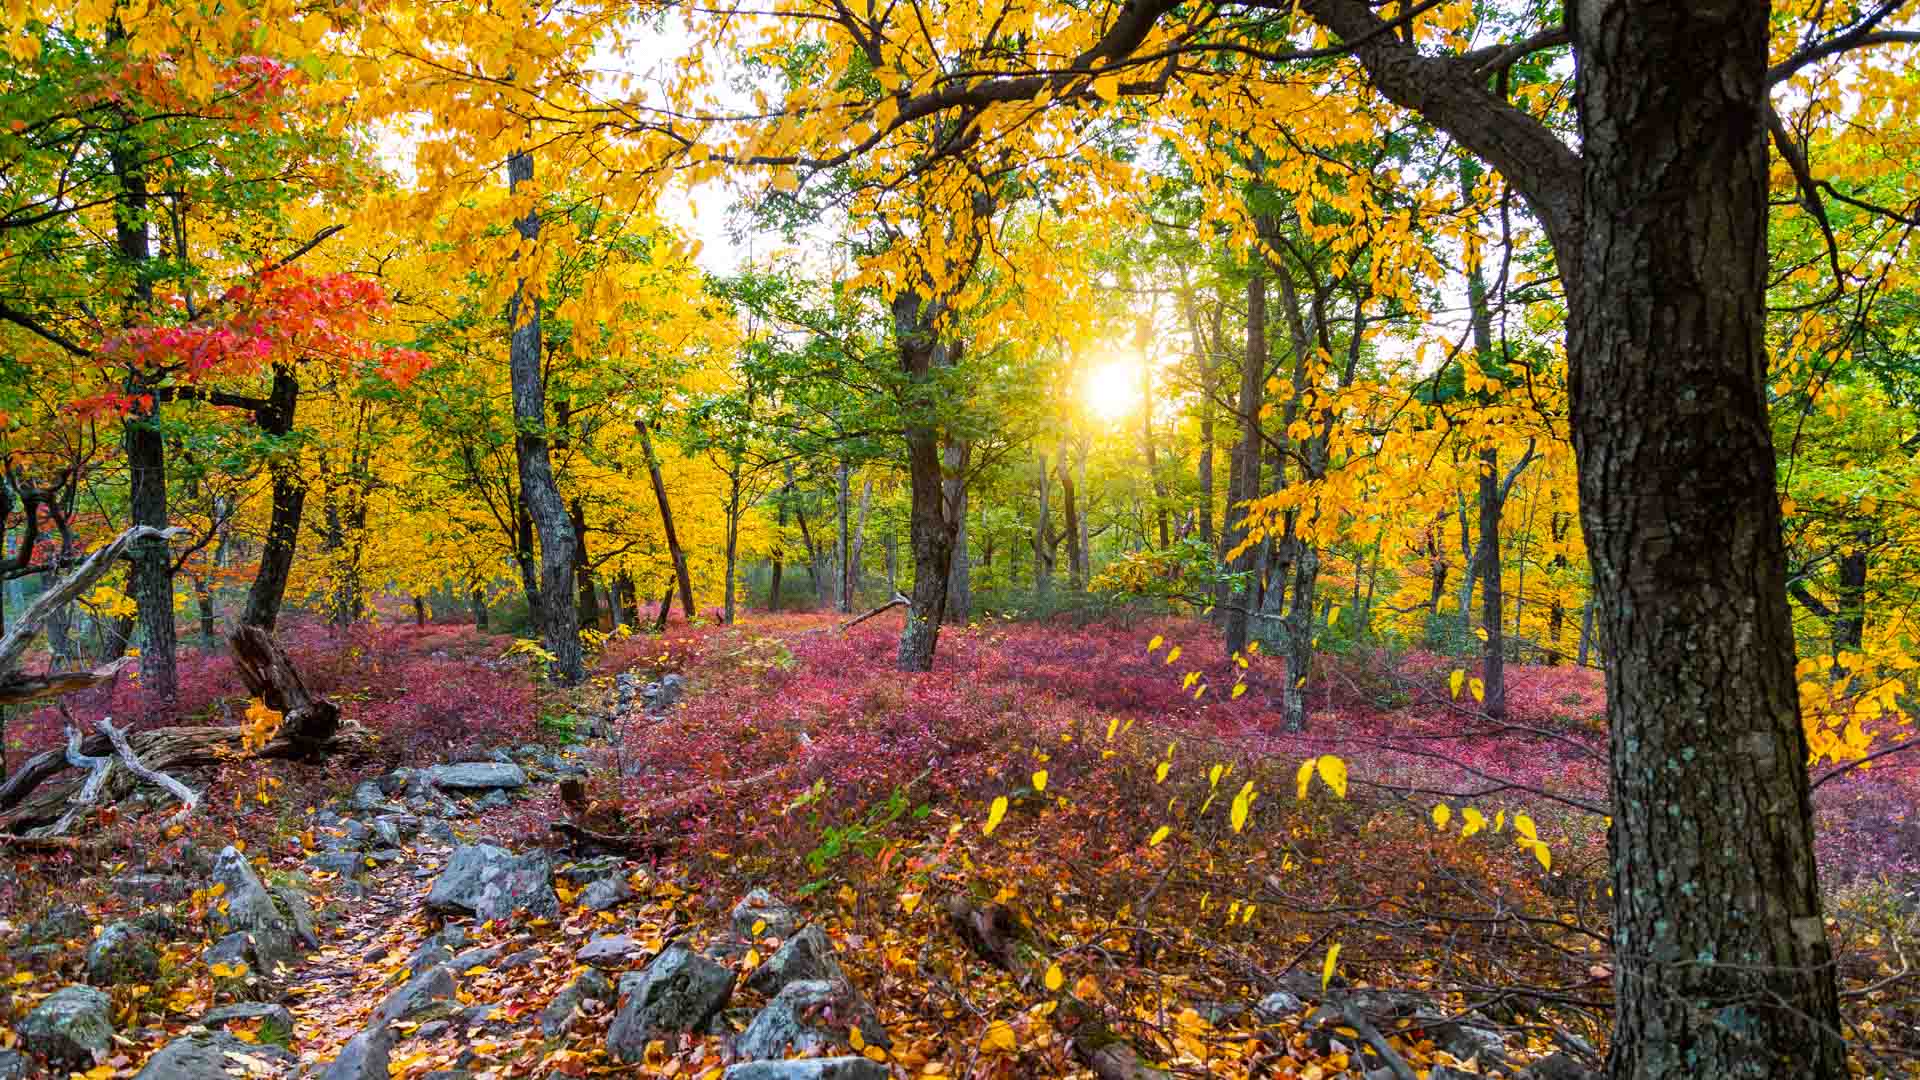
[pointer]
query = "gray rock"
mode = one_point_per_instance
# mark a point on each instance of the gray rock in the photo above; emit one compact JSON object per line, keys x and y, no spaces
{"x":590,"y":986}
{"x":478,"y":776}
{"x":500,"y":754}
{"x":606,"y":894}
{"x":122,"y":954}
{"x":246,"y":906}
{"x":364,"y":1057}
{"x":152,"y":888}
{"x":610,"y":951}
{"x":428,"y":994}
{"x":521,"y":959}
{"x":72,"y":1028}
{"x":1220,"y":1013}
{"x":666,"y":693}
{"x":276,"y":1023}
{"x":1278,"y":1005}
{"x":385,"y":833}
{"x":806,"y":957}
{"x":493,"y":800}
{"x":439,"y":948}
{"x":62,"y":922}
{"x":299,"y":915}
{"x":834,"y":1068}
{"x":438,"y":831}
{"x":346,"y":864}
{"x":680,"y":991}
{"x":760,"y":906}
{"x":490,"y":882}
{"x":810,"y":1018}
{"x":15,"y":1065}
{"x":210,"y":1055}
{"x":368,"y":798}
{"x":473,"y":958}
{"x":433,"y":1029}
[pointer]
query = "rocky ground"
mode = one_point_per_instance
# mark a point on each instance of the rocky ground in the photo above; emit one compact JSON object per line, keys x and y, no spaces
{"x":402,"y":940}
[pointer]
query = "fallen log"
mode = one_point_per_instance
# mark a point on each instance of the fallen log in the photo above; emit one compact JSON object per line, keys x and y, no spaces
{"x":897,"y":601}
{"x":18,"y":688}
{"x":39,"y":796}
{"x":307,"y":721}
{"x":656,"y":819}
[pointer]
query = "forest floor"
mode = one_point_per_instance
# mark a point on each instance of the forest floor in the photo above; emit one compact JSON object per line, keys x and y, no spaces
{"x":1166,"y":867}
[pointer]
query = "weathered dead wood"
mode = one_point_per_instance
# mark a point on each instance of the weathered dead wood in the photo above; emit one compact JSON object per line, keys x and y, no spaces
{"x":17,"y":688}
{"x":14,"y":643}
{"x":991,"y":930}
{"x":306,"y":720}
{"x":188,"y":797}
{"x":897,"y":601}
{"x":654,"y":822}
{"x":1113,"y":1058}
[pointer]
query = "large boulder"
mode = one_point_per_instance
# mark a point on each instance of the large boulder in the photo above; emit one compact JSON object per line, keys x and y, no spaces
{"x":72,"y":1028}
{"x":213,"y":1055}
{"x":834,"y":1068}
{"x":680,"y":991}
{"x":491,"y":882}
{"x":760,"y":914}
{"x":15,"y":1065}
{"x":805,"y":957}
{"x":123,"y":953}
{"x":245,"y":906}
{"x":810,"y":1018}
{"x":590,"y":986}
{"x":272,"y":1023}
{"x":478,"y":776}
{"x":611,"y":951}
{"x":364,"y":1057}
{"x":439,"y":948}
{"x":426,"y":996}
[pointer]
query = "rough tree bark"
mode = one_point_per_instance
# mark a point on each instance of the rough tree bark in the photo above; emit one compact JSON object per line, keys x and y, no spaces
{"x":674,"y":550}
{"x":559,"y":618}
{"x":1243,"y":479}
{"x":931,"y":529}
{"x":289,"y":498}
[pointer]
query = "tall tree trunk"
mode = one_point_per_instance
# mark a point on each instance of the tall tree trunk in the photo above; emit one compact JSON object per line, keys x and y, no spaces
{"x":1206,"y":356}
{"x":559,"y":619}
{"x":1296,"y":630}
{"x":289,"y":498}
{"x":1850,"y":596}
{"x":856,"y":553}
{"x":1043,"y":552}
{"x":589,"y":602}
{"x":1076,"y":564}
{"x":151,"y":574}
{"x":843,"y":535}
{"x":931,"y":525}
{"x":1722,"y":964}
{"x":1143,"y":342}
{"x":734,"y":510}
{"x":1557,"y":613}
{"x":479,"y":610}
{"x":674,"y":550}
{"x":1493,"y":664}
{"x":955,"y":458}
{"x":773,"y":590}
{"x":524,"y":559}
{"x":1243,"y":482}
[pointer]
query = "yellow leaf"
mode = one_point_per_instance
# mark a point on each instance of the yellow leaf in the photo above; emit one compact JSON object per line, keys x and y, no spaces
{"x":1173,"y":654}
{"x":1247,"y":915}
{"x":855,"y":1039}
{"x":753,"y":959}
{"x":1202,"y":690}
{"x":1214,"y":774}
{"x":909,"y":901}
{"x":999,"y":1037}
{"x":1238,"y":689}
{"x":1304,"y":777}
{"x":1326,"y":969}
{"x":1500,"y":821}
{"x":998,"y":811}
{"x":1455,"y":680}
{"x":1160,"y":774}
{"x":1154,"y":645}
{"x":1523,"y":825}
{"x":1334,"y":772}
{"x":1442,"y":813}
{"x":1187,"y":683}
{"x":1475,"y":821}
{"x":759,"y":927}
{"x":1040,"y":780}
{"x":1479,"y":689}
{"x":1242,"y":803}
{"x":1159,"y":835}
{"x":1111,"y":726}
{"x":1055,"y":978}
{"x":1540,"y":852}
{"x":1107,"y":88}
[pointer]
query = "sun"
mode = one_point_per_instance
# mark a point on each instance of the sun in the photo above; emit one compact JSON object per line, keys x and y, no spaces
{"x":1113,"y":389}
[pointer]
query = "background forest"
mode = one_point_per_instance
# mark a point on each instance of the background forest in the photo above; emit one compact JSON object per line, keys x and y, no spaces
{"x":1013,"y":427}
